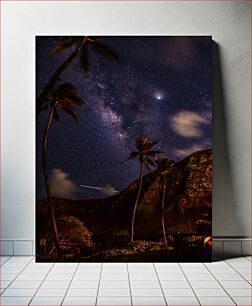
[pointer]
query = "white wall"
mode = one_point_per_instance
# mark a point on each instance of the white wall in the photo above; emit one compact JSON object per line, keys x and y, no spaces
{"x":227,"y":22}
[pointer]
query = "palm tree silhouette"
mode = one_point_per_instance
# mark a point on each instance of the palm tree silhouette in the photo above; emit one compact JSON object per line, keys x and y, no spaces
{"x":81,"y":47}
{"x":64,"y":97}
{"x":163,"y":164}
{"x":145,"y":153}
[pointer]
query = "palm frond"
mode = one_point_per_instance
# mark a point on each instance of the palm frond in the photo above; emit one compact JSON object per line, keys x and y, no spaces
{"x":70,"y":113}
{"x":65,"y":90}
{"x":84,"y":60}
{"x":141,"y":143}
{"x":133,"y":155}
{"x":104,"y":50}
{"x":154,"y":143}
{"x":56,"y":115}
{"x":76,"y":100}
{"x":65,"y":43}
{"x":150,"y":162}
{"x":153,"y":153}
{"x":148,"y":167}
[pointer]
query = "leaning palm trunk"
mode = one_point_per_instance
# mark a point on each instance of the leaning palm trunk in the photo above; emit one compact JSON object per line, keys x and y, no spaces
{"x":163,"y":211}
{"x":47,"y":184}
{"x":135,"y":206}
{"x":57,"y":74}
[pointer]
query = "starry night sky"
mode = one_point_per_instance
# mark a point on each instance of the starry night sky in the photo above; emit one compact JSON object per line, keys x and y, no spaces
{"x":160,"y":88}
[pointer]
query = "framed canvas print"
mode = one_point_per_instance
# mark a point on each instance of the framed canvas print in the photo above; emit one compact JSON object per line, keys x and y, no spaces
{"x":123,"y":148}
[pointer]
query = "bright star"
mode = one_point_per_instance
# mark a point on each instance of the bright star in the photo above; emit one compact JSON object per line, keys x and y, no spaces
{"x":158,"y":96}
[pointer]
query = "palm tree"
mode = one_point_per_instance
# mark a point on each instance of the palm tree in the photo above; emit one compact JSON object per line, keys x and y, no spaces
{"x":80,"y":45}
{"x":145,"y":152}
{"x":64,"y":97}
{"x":163,"y":164}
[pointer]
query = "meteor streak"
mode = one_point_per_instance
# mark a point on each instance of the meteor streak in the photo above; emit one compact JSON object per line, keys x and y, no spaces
{"x":91,"y":187}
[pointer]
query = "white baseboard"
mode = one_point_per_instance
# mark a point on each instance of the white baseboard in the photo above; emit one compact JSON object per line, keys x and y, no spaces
{"x":222,"y":247}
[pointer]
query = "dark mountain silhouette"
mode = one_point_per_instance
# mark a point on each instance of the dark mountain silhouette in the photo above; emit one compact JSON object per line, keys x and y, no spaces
{"x":188,"y":205}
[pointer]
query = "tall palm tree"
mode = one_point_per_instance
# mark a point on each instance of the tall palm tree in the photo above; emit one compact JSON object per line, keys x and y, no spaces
{"x":144,"y":150}
{"x":64,"y":97}
{"x":163,"y":164}
{"x":80,"y":45}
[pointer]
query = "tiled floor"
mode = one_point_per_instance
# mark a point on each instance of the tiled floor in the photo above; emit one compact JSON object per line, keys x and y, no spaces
{"x":24,"y":282}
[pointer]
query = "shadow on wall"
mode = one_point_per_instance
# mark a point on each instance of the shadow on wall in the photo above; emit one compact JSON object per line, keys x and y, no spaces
{"x":226,"y":220}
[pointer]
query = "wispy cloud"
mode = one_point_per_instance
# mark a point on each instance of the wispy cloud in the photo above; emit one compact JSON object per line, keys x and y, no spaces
{"x":61,"y":185}
{"x":189,"y":124}
{"x":183,"y":152}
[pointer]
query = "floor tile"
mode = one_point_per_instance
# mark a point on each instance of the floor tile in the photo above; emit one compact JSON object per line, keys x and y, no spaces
{"x":29,"y":276}
{"x":104,"y":300}
{"x":200,"y":276}
{"x":114,"y":284}
{"x":55,"y":284}
{"x":42,"y":271}
{"x":21,"y":258}
{"x":220,"y":300}
{"x":79,"y":301}
{"x":63,"y":270}
{"x":118,"y":276}
{"x":114,"y":292}
{"x":78,"y":284}
{"x":141,"y":270}
{"x":5,"y":283}
{"x":14,"y":264}
{"x":236,"y":259}
{"x":19,"y":292}
{"x":146,"y":292}
{"x":10,"y":270}
{"x":166,"y":264}
{"x":59,"y":277}
{"x":243,"y":300}
{"x":191,"y":264}
{"x":115,"y":270}
{"x":62,"y":265}
{"x":204,"y":284}
{"x":39,"y":265}
{"x":51,"y":292}
{"x":221,"y":270}
{"x":180,"y":300}
{"x":169,"y":270}
{"x":82,"y":292}
{"x":47,"y":300}
{"x":4,"y":259}
{"x":248,"y":277}
{"x":228,"y":276}
{"x":193,"y":270}
{"x":178,"y":292}
{"x":216,"y":264}
{"x":97,"y":264}
{"x":172,"y":276}
{"x":85,"y":270}
{"x":175,"y":284}
{"x":234,"y":284}
{"x":87,"y":277}
{"x":15,"y":300}
{"x":141,"y":300}
{"x":25,"y":284}
{"x":145,"y":284}
{"x":140,"y":264}
{"x":243,"y":270}
{"x":8,"y":276}
{"x":210,"y":292}
{"x":239,"y":291}
{"x":241,"y":264}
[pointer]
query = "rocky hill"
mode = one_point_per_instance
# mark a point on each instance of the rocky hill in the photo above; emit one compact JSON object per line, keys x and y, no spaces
{"x":188,"y":204}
